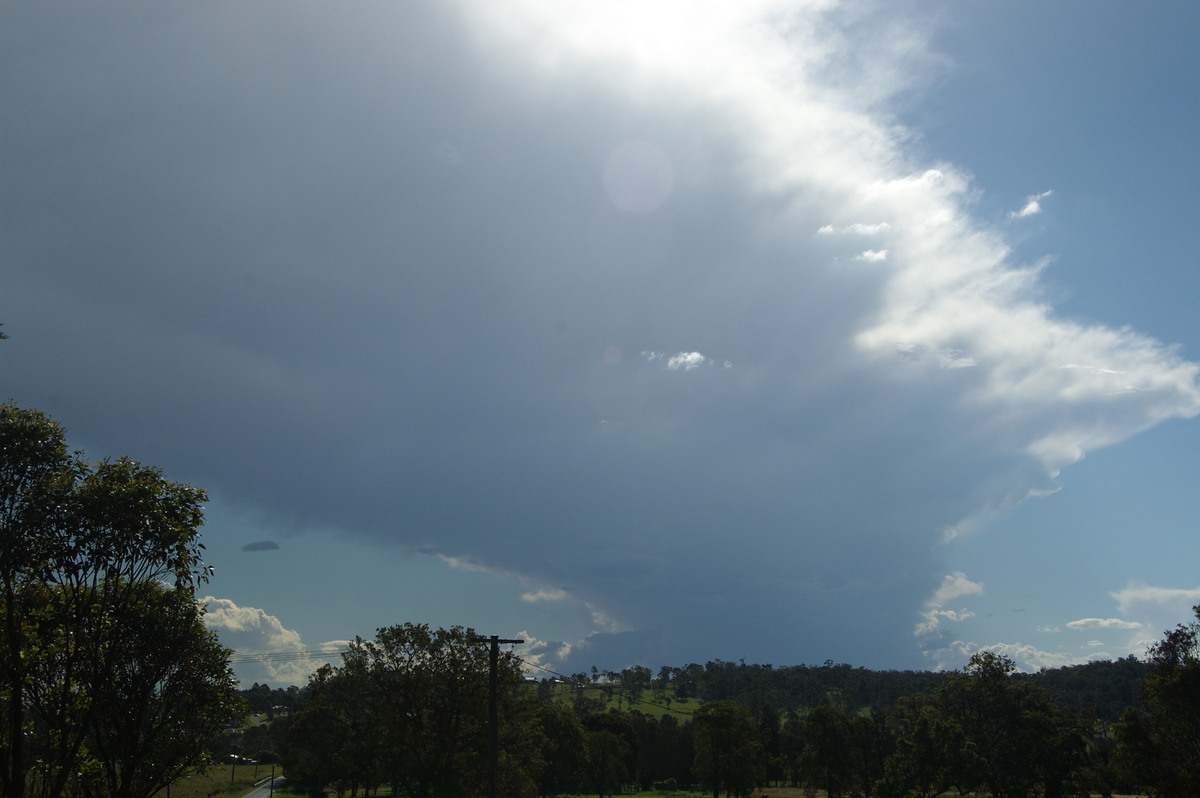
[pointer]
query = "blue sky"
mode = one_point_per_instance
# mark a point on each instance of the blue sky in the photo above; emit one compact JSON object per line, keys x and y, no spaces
{"x":648,"y":332}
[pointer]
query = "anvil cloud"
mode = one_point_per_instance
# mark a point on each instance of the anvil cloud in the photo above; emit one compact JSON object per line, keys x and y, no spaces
{"x":655,"y":307}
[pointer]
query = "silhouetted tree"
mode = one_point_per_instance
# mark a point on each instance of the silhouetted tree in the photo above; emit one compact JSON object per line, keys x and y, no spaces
{"x":1159,"y":742}
{"x":83,"y":546}
{"x":729,"y":754}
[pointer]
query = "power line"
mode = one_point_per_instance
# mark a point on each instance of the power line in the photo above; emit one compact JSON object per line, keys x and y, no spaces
{"x":285,"y":656}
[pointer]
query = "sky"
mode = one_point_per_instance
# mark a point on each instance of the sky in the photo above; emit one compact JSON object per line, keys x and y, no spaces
{"x":646,"y":332}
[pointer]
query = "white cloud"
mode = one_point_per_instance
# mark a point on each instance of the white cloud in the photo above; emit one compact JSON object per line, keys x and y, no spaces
{"x":872,"y":255}
{"x":1156,"y":609}
{"x":465,"y":563}
{"x":264,"y":649}
{"x":1137,"y":597}
{"x":248,"y":629}
{"x":545,"y":594}
{"x":1032,"y":206}
{"x":541,"y":656}
{"x":687,"y":361}
{"x":953,"y":586}
{"x":954,"y":359}
{"x":1103,"y":623}
{"x":855,"y":229}
{"x":1026,"y":657}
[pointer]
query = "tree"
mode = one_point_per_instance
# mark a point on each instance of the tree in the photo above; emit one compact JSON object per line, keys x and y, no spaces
{"x":79,"y":543}
{"x":610,"y":744}
{"x":409,"y":708}
{"x":932,"y":752}
{"x":826,"y":758}
{"x":729,"y":755}
{"x":336,"y":735}
{"x":1159,"y":742}
{"x":563,"y":755}
{"x":985,"y":728}
{"x":161,"y":691}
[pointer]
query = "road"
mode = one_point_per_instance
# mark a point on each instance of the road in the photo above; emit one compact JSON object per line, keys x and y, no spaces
{"x":263,"y":790}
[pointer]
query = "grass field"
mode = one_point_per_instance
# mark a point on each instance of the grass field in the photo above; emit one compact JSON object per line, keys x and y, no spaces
{"x":216,"y":783}
{"x":612,"y":697}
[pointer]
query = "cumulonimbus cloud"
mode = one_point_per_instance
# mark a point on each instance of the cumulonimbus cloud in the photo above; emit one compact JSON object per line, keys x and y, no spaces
{"x":428,"y":269}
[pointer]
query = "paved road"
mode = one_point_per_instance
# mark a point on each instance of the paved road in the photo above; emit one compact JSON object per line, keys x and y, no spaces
{"x":263,"y":790}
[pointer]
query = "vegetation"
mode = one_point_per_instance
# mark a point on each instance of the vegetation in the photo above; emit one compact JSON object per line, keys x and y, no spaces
{"x":984,"y":730}
{"x":1160,"y":739}
{"x":218,"y":781}
{"x":110,"y":685}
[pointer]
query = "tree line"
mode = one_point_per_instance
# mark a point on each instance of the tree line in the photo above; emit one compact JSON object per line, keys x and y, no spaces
{"x":405,"y":715}
{"x":111,"y":687}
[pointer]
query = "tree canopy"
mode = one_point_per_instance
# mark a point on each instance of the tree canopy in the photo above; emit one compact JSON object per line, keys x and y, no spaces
{"x":98,"y":656}
{"x":1160,"y":740}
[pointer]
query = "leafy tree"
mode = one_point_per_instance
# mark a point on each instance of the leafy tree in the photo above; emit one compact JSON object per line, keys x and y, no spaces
{"x":79,"y":543}
{"x":410,"y":709}
{"x":161,"y":691}
{"x":607,"y":761}
{"x":1159,"y":743}
{"x":564,"y":752}
{"x":932,"y":752}
{"x":826,"y":758}
{"x":985,"y":728}
{"x":870,"y":744}
{"x":611,"y":746}
{"x":335,"y":737}
{"x":729,"y":754}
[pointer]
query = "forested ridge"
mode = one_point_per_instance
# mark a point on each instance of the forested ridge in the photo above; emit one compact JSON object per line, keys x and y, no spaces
{"x":387,"y":722}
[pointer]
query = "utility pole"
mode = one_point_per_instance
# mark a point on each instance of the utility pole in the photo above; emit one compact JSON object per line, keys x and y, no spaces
{"x":493,"y":721}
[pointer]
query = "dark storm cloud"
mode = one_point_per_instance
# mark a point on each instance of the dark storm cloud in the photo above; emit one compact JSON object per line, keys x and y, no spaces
{"x":369,"y":271}
{"x":261,"y":545}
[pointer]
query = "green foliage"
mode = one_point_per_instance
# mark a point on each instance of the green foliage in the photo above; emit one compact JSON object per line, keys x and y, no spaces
{"x":109,"y":683}
{"x":1159,"y":742}
{"x":611,"y":751}
{"x":729,"y":752}
{"x":410,"y":710}
{"x":161,"y":691}
{"x":985,"y":729}
{"x":562,"y":751}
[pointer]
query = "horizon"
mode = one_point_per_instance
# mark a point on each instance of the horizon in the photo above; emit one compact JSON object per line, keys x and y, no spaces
{"x":777,"y":331}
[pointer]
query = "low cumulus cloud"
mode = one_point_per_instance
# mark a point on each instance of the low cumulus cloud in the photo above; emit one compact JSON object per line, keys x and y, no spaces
{"x":398,"y":301}
{"x":1155,"y":609}
{"x":266,"y":650}
{"x":953,"y":587}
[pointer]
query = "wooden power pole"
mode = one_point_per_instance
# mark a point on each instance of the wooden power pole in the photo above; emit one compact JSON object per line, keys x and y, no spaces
{"x":493,"y":719}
